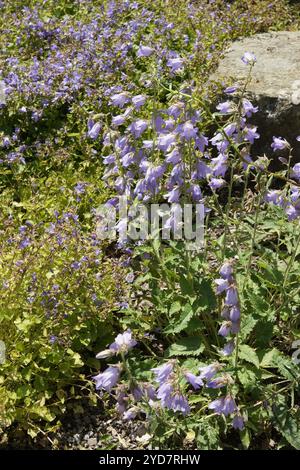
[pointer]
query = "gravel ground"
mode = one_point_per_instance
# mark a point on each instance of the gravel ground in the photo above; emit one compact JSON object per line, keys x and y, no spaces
{"x":94,"y":431}
{"x":88,"y":431}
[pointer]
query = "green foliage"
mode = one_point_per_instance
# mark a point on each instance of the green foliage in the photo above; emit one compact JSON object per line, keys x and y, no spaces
{"x":57,"y":301}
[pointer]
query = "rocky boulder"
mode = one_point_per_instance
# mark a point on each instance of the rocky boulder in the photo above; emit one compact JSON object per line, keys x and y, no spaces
{"x":274,"y":87}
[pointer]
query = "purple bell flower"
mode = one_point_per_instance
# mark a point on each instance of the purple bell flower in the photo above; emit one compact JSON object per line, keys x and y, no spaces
{"x":194,"y":380}
{"x":107,"y":379}
{"x":163,"y":372}
{"x":238,"y":422}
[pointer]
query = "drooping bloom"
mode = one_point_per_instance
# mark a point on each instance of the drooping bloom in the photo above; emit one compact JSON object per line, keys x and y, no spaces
{"x":248,"y":108}
{"x":108,"y":379}
{"x":165,"y":141}
{"x":175,"y":64}
{"x":230,"y":89}
{"x":130,"y":413}
{"x":163,"y":372}
{"x":189,"y":131}
{"x":180,"y":403}
{"x":194,"y":380}
{"x":225,"y":108}
{"x":228,"y":349}
{"x":225,"y":406}
{"x":231,"y":296}
{"x":219,"y":165}
{"x":145,"y":51}
{"x":138,"y":101}
{"x":216,"y":183}
{"x":173,"y":157}
{"x":226,"y":270}
{"x":217,"y":382}
{"x":296,"y":171}
{"x":249,"y":58}
{"x":123,"y":342}
{"x":235,"y":313}
{"x":119,"y":99}
{"x":201,"y":142}
{"x":138,"y":127}
{"x":173,"y":195}
{"x":279,"y":144}
{"x":250,"y":134}
{"x":93,"y":129}
{"x":238,"y":422}
{"x":222,"y":285}
{"x":208,"y":372}
{"x":225,"y":328}
{"x":119,"y":119}
{"x":164,"y":393}
{"x":196,"y":193}
{"x":274,"y":196}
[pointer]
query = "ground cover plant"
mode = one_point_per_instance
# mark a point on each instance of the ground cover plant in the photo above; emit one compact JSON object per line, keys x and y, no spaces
{"x":101,"y":99}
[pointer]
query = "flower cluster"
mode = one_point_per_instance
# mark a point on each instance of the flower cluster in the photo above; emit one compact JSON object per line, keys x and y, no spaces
{"x":171,"y":380}
{"x":287,"y":198}
{"x":167,"y":157}
{"x":122,"y":344}
{"x":231,"y":314}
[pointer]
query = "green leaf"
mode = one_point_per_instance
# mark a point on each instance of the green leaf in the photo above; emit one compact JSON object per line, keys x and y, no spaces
{"x":245,"y":438}
{"x":248,"y":378}
{"x":175,"y":307}
{"x":248,"y":354}
{"x":247,"y":325}
{"x":287,"y":424}
{"x":191,"y":346}
{"x":287,"y":368}
{"x":183,"y":321}
{"x":269,"y":358}
{"x":263,"y":333}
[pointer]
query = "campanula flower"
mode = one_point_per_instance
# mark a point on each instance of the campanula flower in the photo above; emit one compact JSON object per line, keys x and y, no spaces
{"x":249,"y":58}
{"x":226,"y":108}
{"x":208,"y":372}
{"x":145,"y":51}
{"x":138,"y":101}
{"x":231,"y":296}
{"x":296,"y":171}
{"x":108,"y":379}
{"x":222,"y":285}
{"x":194,"y":380}
{"x":175,"y":64}
{"x":94,"y":129}
{"x":163,"y":372}
{"x":279,"y":144}
{"x":119,"y":99}
{"x":225,"y":406}
{"x":238,"y":422}
{"x":216,"y":183}
{"x":228,"y":348}
{"x":226,"y":270}
{"x":235,"y":314}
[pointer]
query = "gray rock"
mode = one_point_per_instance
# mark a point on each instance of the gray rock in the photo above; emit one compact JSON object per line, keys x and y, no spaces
{"x":274,"y":87}
{"x":92,"y":441}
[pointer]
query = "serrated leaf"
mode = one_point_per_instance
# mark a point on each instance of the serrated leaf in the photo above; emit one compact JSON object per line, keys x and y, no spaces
{"x":175,"y":307}
{"x":248,"y":378}
{"x":248,"y":354}
{"x":287,"y":424}
{"x":269,"y":358}
{"x":183,"y":321}
{"x":247,"y":326}
{"x":191,"y":346}
{"x":286,"y":367}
